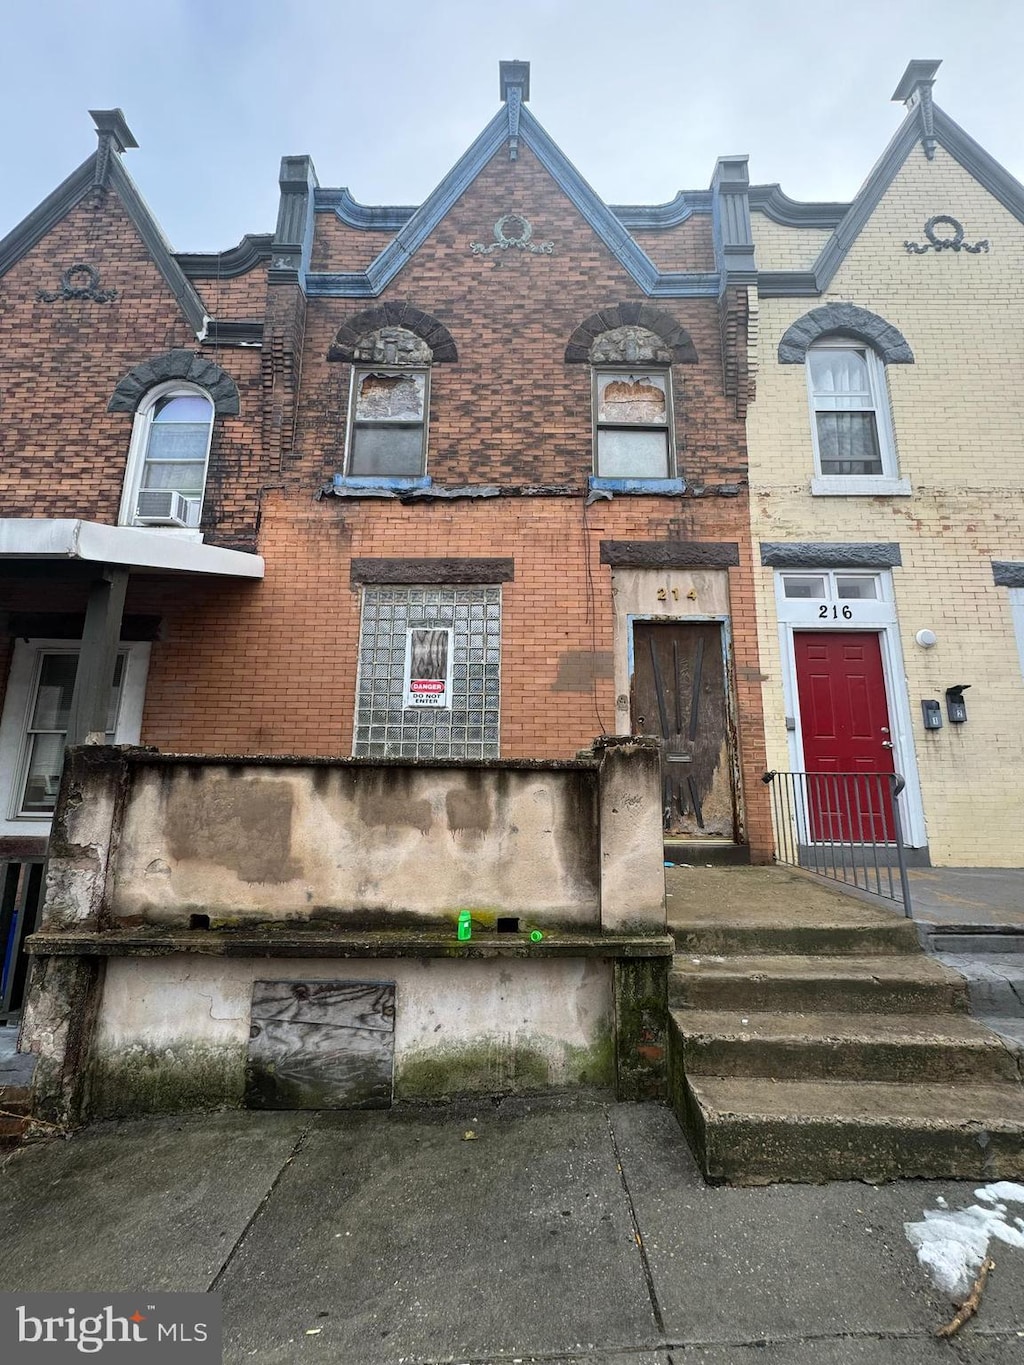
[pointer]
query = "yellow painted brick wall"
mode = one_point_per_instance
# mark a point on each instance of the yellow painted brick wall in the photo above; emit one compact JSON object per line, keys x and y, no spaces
{"x":958,"y":414}
{"x":785,"y":248}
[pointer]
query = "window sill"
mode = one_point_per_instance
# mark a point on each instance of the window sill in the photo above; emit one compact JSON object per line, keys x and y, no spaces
{"x":663,"y":487}
{"x":395,"y":485}
{"x":860,"y":486}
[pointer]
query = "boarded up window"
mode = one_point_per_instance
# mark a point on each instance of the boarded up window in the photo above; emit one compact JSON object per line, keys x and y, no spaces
{"x":429,"y":656}
{"x":632,"y":425}
{"x":321,"y":1045}
{"x":388,"y":429}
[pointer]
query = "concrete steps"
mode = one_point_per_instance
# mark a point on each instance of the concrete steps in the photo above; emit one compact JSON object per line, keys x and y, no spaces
{"x":798,"y":982}
{"x":755,"y":1131}
{"x":811,"y":1038}
{"x":759,"y":928}
{"x":853,"y":1047}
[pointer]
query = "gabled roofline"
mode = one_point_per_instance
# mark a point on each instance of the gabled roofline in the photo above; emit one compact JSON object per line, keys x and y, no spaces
{"x":391,"y":217}
{"x":947,"y":134}
{"x":866,"y":200}
{"x":415,"y":230}
{"x":46,"y":215}
{"x":159,"y":249}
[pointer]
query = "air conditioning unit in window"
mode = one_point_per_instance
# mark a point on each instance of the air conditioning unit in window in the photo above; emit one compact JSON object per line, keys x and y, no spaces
{"x":164,"y":507}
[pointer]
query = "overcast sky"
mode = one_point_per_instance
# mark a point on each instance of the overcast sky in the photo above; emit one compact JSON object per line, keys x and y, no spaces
{"x":641,"y":97}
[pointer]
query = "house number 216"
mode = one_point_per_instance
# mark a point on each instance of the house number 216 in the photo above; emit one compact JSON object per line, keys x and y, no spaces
{"x":835,"y":613}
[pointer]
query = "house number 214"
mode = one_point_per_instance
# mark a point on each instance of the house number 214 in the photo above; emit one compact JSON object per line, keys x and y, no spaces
{"x":835,"y":613}
{"x":664,"y":592}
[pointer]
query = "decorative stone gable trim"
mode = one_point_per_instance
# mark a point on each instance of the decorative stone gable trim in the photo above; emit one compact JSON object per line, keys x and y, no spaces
{"x":184,"y":365}
{"x":625,"y":321}
{"x":394,"y":315}
{"x":954,"y":242}
{"x":844,"y":319}
{"x":79,"y":281}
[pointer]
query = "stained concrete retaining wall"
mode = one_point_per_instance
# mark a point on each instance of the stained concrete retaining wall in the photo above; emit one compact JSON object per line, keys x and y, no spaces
{"x":176,"y":882}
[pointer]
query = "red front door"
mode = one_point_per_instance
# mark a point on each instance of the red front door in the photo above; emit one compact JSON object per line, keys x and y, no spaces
{"x":844,"y":722}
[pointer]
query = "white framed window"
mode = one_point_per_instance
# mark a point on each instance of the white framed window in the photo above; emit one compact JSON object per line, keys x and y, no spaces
{"x":827,"y":584}
{"x":165,"y":480}
{"x":387,"y":430}
{"x":851,"y":426}
{"x":33,"y":725}
{"x":633,"y":424}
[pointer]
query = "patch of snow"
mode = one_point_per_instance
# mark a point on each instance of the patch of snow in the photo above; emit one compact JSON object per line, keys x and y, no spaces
{"x":951,"y":1245}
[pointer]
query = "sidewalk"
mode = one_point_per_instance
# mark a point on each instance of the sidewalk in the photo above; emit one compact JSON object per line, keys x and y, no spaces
{"x":982,"y":896}
{"x":575,"y":1231}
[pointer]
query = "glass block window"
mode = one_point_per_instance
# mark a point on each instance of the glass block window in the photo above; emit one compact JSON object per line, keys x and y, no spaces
{"x":455,"y":635}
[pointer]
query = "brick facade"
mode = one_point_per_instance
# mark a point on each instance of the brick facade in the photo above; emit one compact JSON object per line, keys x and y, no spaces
{"x":271,"y":666}
{"x":957,"y":417}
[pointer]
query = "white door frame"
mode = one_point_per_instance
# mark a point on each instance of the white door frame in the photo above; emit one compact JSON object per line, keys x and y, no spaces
{"x":877,"y":616}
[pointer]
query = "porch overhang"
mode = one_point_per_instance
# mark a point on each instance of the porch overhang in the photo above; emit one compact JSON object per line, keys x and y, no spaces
{"x":62,"y":538}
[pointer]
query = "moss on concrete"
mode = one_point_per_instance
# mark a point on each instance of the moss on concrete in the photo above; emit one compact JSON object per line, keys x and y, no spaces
{"x":136,"y":1081}
{"x":498,"y":1067}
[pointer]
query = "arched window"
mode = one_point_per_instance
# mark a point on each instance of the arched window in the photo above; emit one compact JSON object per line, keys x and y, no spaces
{"x":388,"y":405}
{"x":166,"y":475}
{"x":632,"y":404}
{"x":850,"y":422}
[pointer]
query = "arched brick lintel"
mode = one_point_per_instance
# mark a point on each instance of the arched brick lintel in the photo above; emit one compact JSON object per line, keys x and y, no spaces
{"x":656,"y":320}
{"x":423,"y":325}
{"x":185,"y":365}
{"x":844,"y":319}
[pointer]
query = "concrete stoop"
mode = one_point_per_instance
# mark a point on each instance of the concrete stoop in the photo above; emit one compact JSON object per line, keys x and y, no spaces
{"x":812,"y":1039}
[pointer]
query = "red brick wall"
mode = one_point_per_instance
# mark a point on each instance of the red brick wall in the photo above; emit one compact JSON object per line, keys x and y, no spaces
{"x":272,"y":667}
{"x":338,"y":247}
{"x":686,"y":247}
{"x":239,"y":299}
{"x":61,"y":453}
{"x":511,"y":410}
{"x":248,"y":667}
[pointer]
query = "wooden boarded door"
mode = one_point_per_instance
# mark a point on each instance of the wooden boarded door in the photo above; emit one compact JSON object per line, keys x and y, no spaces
{"x":844,"y":726}
{"x":679,"y":694}
{"x":321,"y":1045}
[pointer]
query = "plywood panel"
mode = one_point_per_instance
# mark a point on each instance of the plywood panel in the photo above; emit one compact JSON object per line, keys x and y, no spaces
{"x":321,"y":1045}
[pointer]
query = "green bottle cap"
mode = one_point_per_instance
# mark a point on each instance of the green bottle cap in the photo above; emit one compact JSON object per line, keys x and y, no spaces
{"x":536,"y":936}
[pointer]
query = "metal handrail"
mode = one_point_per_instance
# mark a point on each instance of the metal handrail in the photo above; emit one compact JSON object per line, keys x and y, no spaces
{"x":843,"y":826}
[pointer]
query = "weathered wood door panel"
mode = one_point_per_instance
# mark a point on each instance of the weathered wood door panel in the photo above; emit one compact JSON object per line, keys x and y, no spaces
{"x":679,"y":694}
{"x":321,"y":1045}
